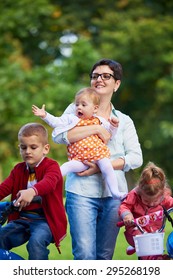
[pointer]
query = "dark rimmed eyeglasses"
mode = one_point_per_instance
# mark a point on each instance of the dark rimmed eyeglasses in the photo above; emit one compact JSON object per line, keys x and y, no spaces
{"x":104,"y":76}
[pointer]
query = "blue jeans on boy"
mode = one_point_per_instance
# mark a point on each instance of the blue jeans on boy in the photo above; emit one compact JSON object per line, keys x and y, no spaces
{"x":35,"y":231}
{"x":92,"y":226}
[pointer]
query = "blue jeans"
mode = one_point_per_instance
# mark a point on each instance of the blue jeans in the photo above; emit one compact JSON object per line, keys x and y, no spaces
{"x":36,"y":232}
{"x":92,"y":226}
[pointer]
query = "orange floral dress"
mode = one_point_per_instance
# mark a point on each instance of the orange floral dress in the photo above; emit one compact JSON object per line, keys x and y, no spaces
{"x":90,"y":148}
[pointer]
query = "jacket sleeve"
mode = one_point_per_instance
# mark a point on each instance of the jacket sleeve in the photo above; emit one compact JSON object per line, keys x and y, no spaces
{"x":168,"y":202}
{"x":52,"y":120}
{"x":60,"y":137}
{"x":6,"y":186}
{"x":133,"y":154}
{"x":61,"y":122}
{"x":10,"y":185}
{"x":127,"y":204}
{"x":51,"y":176}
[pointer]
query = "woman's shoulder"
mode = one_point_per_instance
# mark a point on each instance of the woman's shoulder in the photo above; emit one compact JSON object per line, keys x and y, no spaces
{"x":120,"y":114}
{"x":70,"y":109}
{"x":125,"y":120}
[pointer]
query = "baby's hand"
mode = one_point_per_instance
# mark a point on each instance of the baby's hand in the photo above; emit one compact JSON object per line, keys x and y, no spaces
{"x":128,"y":219}
{"x":114,"y":121}
{"x":39,"y":112}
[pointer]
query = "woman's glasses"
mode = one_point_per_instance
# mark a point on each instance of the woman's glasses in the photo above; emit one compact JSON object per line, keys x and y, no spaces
{"x":104,"y":76}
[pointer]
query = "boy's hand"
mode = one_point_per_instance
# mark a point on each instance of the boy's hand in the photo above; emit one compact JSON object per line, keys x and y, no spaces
{"x":39,"y":112}
{"x":24,"y":198}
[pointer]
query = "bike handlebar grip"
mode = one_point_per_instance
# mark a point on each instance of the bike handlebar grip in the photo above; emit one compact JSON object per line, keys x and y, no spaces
{"x":120,"y":224}
{"x":4,"y":204}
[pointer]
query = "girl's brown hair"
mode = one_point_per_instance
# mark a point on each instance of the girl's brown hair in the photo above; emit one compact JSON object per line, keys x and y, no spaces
{"x":152,"y":180}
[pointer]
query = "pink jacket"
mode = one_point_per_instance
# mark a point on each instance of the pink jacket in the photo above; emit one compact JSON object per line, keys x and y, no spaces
{"x":49,"y":186}
{"x":132,"y":203}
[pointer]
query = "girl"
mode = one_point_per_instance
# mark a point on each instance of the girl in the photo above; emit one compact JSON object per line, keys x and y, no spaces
{"x":150,"y":195}
{"x":90,"y":148}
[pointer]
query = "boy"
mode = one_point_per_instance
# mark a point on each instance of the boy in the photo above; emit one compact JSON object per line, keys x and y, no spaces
{"x":37,"y":185}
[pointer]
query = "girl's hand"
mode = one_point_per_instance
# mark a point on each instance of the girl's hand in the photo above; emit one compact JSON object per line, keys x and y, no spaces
{"x":39,"y":112}
{"x":92,"y":169}
{"x":128,"y":219}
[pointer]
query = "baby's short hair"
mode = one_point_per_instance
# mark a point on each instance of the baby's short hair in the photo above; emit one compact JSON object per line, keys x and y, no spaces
{"x":37,"y":129}
{"x":91,"y":93}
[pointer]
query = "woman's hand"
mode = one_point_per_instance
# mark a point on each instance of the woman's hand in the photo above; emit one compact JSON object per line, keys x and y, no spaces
{"x":103,"y":134}
{"x":92,"y":169}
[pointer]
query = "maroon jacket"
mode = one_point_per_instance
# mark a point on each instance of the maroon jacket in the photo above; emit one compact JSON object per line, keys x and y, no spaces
{"x":49,"y":186}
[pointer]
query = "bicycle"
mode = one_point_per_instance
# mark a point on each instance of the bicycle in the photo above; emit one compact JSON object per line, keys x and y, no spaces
{"x":155,"y":240}
{"x":7,"y":208}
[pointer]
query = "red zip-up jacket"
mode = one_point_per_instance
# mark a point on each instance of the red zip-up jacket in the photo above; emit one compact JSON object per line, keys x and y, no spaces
{"x":49,"y":186}
{"x":133,"y":204}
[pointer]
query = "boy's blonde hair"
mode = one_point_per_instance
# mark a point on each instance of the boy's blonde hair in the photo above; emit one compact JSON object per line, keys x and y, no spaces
{"x":31,"y":129}
{"x":91,"y":93}
{"x":152,"y":180}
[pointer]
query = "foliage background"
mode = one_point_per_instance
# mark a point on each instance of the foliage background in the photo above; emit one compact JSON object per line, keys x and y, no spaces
{"x":37,"y":66}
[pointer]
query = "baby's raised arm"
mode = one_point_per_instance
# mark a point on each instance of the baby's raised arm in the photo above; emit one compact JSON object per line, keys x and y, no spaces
{"x":39,"y":112}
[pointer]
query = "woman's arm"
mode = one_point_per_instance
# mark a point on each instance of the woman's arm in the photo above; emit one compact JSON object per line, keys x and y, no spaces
{"x":132,"y":150}
{"x":118,"y":164}
{"x":93,"y":168}
{"x":78,"y":133}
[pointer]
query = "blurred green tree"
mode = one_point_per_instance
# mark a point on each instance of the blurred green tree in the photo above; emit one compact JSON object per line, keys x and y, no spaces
{"x":48,"y":46}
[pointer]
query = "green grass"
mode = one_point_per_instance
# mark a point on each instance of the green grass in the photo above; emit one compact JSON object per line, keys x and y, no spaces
{"x":119,"y":254}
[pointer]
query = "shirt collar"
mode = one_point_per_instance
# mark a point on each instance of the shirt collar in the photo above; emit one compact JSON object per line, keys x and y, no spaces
{"x":36,"y":164}
{"x":113,"y":110}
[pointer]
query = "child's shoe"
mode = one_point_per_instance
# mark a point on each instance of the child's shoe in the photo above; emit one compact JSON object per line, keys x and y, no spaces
{"x":130,"y":250}
{"x":156,"y":257}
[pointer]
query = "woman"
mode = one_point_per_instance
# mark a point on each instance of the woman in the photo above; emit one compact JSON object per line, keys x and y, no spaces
{"x":91,"y":210}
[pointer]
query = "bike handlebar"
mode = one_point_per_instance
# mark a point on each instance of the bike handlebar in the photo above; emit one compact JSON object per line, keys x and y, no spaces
{"x":7,"y":208}
{"x":164,"y":217}
{"x":120,"y":224}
